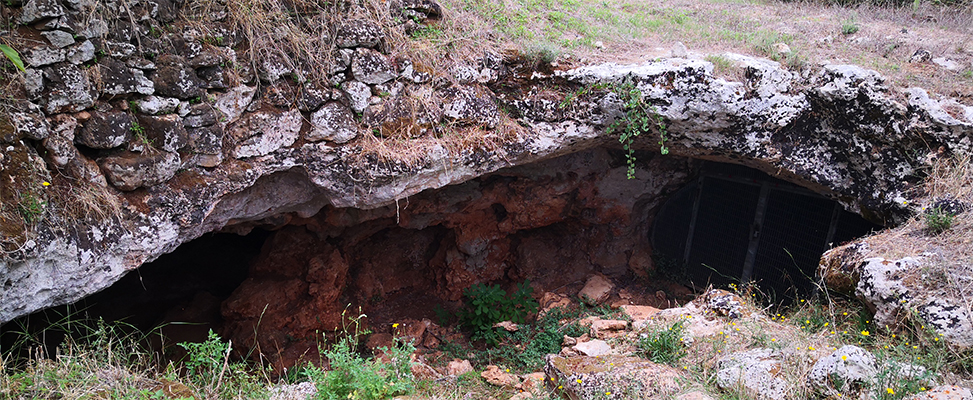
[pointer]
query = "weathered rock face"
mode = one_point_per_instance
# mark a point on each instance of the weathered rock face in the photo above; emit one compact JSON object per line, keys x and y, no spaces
{"x":262,"y":157}
{"x":552,"y":222}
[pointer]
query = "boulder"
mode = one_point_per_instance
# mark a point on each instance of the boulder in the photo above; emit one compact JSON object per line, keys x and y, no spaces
{"x":466,"y":106}
{"x":66,"y":89}
{"x":758,"y":371}
{"x":297,"y":391}
{"x":358,"y":94}
{"x":36,"y":10}
{"x":849,"y":371}
{"x":607,"y":328}
{"x":165,"y":132}
{"x":154,"y":105}
{"x":593,"y":377}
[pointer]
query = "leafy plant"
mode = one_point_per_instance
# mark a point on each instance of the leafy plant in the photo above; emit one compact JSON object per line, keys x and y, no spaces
{"x":938,"y":220}
{"x":487,"y":305}
{"x":13,"y":56}
{"x":664,"y":346}
{"x":849,"y":26}
{"x":206,"y":360}
{"x":31,"y":207}
{"x":640,"y":117}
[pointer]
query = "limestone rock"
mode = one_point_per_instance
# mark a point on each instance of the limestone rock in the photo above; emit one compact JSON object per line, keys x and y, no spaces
{"x":465,"y":106}
{"x":154,"y":105}
{"x":165,"y":132}
{"x":596,"y":290}
{"x":639,"y":314}
{"x":420,"y":9}
{"x":757,"y":370}
{"x":234,"y":102}
{"x":105,"y":130}
{"x":117,"y":79}
{"x":334,"y":123}
{"x":881,"y":287}
{"x":458,"y":367}
{"x":30,"y":122}
{"x":944,"y":392}
{"x":265,"y":132}
{"x":593,"y":348}
{"x":66,"y":89}
{"x":590,"y":377}
{"x":298,"y":391}
{"x":40,"y":56}
{"x":130,"y":171}
{"x":59,"y":39}
{"x":839,"y":267}
{"x":723,"y":303}
{"x":358,"y":33}
{"x":498,"y":377}
{"x":371,"y":67}
{"x":175,"y":78}
{"x":358,"y":94}
{"x":80,"y":53}
{"x":606,"y":328}
{"x":36,"y":10}
{"x":851,"y":368}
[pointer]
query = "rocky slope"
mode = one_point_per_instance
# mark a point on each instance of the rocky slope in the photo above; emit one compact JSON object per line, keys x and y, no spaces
{"x":186,"y":137}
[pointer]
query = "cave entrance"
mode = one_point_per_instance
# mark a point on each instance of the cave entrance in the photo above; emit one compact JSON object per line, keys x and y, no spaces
{"x":736,"y":224}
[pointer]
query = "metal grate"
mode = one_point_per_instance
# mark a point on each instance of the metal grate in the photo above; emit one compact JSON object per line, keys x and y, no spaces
{"x":737,"y":224}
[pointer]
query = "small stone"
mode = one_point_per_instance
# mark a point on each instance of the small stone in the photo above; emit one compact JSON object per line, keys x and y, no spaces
{"x":948,"y":64}
{"x":106,"y":130}
{"x":781,"y":48}
{"x":300,"y":391}
{"x":507,"y":326}
{"x":569,"y":341}
{"x":60,"y":39}
{"x":358,"y":95}
{"x":603,"y":328}
{"x":458,"y":367}
{"x":944,"y":392}
{"x":130,"y":171}
{"x":497,"y":377}
{"x":593,"y":348}
{"x":596,"y":290}
{"x":599,"y":44}
{"x":679,"y":50}
{"x":265,"y":132}
{"x":153,"y":105}
{"x":36,"y":10}
{"x":80,"y":53}
{"x":921,"y":56}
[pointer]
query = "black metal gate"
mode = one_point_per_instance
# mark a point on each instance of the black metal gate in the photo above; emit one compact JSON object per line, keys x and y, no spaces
{"x":736,"y":224}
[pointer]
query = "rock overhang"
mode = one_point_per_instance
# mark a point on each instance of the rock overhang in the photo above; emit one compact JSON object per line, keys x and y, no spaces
{"x":841,"y":132}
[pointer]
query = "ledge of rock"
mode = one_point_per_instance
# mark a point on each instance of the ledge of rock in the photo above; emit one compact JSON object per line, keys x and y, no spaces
{"x":208,"y":153}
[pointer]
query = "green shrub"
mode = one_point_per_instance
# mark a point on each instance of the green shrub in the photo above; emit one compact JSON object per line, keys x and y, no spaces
{"x":663,"y":346}
{"x":486,"y":305}
{"x":354,"y":377}
{"x":938,"y":220}
{"x":640,"y":117}
{"x":849,"y":27}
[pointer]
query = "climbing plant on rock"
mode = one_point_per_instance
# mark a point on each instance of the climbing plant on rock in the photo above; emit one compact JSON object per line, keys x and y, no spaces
{"x":640,"y":117}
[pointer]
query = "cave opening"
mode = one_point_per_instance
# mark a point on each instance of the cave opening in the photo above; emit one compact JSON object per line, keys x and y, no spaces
{"x":278,"y":283}
{"x":735,"y":224}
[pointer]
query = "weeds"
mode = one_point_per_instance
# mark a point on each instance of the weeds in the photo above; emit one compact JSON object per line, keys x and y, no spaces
{"x":938,"y":220}
{"x":640,"y":117}
{"x":849,"y":27}
{"x":663,"y":346}
{"x":487,"y":305}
